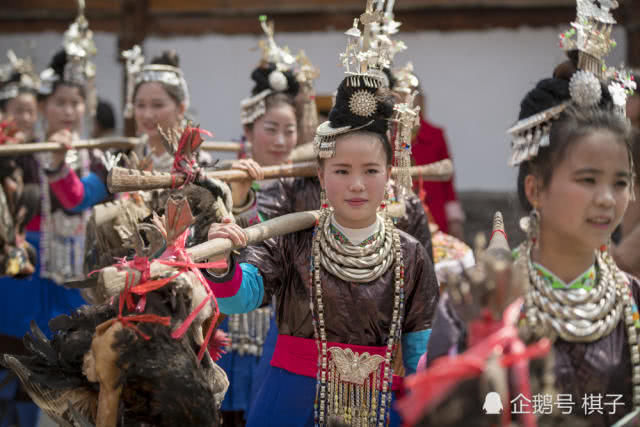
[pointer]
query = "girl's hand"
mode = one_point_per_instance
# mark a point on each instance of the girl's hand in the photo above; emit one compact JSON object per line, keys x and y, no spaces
{"x":240,"y":189}
{"x":228,"y":230}
{"x":65,"y":138}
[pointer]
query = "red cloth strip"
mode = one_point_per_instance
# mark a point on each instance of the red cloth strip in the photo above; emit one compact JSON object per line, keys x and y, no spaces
{"x":501,"y":232}
{"x":128,"y":322}
{"x":429,"y":387}
{"x":69,"y":189}
{"x":300,"y":356}
{"x":152,"y":285}
{"x":227,"y":289}
{"x":179,"y":255}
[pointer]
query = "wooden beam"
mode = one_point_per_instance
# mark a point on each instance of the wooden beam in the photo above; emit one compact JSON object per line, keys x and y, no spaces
{"x":275,"y":6}
{"x":438,"y":19}
{"x":197,"y":17}
{"x":632,"y":25}
{"x":69,"y":5}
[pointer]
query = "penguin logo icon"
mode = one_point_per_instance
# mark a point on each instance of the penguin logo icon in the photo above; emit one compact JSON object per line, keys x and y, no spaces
{"x":492,"y":404}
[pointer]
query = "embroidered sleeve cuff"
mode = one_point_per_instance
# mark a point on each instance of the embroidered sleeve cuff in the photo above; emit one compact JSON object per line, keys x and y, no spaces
{"x":226,"y":285}
{"x":58,"y":173}
{"x":67,"y":187}
{"x":242,"y":292}
{"x":414,"y":345}
{"x":95,"y":191}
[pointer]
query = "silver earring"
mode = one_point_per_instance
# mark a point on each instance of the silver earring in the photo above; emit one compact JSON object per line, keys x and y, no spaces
{"x":531,"y":225}
{"x":324,"y":203}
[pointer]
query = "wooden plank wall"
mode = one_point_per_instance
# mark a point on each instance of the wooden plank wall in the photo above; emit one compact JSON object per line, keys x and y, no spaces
{"x":193,"y":17}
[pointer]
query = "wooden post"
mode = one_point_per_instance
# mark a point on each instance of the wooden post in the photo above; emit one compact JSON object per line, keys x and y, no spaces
{"x":133,"y":30}
{"x":632,"y":25}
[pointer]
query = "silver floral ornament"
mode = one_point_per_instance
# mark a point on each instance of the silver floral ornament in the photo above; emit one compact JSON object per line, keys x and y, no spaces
{"x":585,"y":89}
{"x":362,"y":103}
{"x":278,"y":81}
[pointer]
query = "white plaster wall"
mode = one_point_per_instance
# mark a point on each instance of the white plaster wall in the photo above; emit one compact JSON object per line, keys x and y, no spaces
{"x":474,"y":81}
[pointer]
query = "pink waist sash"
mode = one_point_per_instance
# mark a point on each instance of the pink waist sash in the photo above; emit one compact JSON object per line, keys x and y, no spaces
{"x":300,"y":356}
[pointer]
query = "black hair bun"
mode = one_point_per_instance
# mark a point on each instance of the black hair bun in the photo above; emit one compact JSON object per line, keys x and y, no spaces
{"x":341,"y":114}
{"x":551,"y":92}
{"x":547,"y":93}
{"x":58,"y":62}
{"x":13,"y":78}
{"x":168,"y":57}
{"x":260,"y":76}
{"x":565,"y":70}
{"x":392,"y":80}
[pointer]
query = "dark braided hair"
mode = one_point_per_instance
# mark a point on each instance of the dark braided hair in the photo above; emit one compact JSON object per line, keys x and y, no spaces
{"x":171,"y":58}
{"x":571,"y":125}
{"x":58,"y":63}
{"x":341,"y":114}
{"x":15,"y":78}
{"x":260,"y":77}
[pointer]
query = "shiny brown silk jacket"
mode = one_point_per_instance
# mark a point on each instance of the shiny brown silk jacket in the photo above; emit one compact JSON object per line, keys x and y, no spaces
{"x":288,"y":195}
{"x":354,"y":313}
{"x":602,"y":367}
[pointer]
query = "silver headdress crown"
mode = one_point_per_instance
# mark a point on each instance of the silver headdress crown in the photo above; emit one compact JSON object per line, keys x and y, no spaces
{"x":364,"y":60}
{"x":590,"y":35}
{"x":138,"y":73}
{"x":406,"y":117}
{"x":254,"y":107}
{"x":307,"y":111}
{"x":28,"y":78}
{"x":382,"y":32}
{"x":80,"y":48}
{"x":407,"y":81}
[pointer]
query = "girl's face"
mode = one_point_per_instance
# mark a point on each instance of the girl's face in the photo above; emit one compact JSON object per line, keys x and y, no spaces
{"x":64,"y":109}
{"x":587,"y":196}
{"x":274,"y":135}
{"x":355,"y":179}
{"x":24,"y":110}
{"x":153,"y":106}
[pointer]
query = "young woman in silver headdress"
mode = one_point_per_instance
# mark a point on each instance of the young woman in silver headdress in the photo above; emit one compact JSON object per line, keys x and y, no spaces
{"x":157,"y":99}
{"x":349,"y":290}
{"x":575,"y":177}
{"x":18,"y":95}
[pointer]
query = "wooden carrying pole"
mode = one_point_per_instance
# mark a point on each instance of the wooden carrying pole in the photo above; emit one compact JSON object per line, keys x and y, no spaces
{"x":122,"y":179}
{"x":112,"y":280}
{"x":118,"y":143}
{"x":231,"y":147}
{"x":285,"y":224}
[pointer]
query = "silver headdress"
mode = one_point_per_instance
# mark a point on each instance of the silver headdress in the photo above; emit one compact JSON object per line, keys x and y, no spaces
{"x":364,"y":62}
{"x":382,"y":33}
{"x":406,"y":117}
{"x":306,"y":110}
{"x":406,"y":80}
{"x":80,"y":48}
{"x":24,"y":68}
{"x":138,"y":73}
{"x":254,"y":107}
{"x":590,"y":35}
